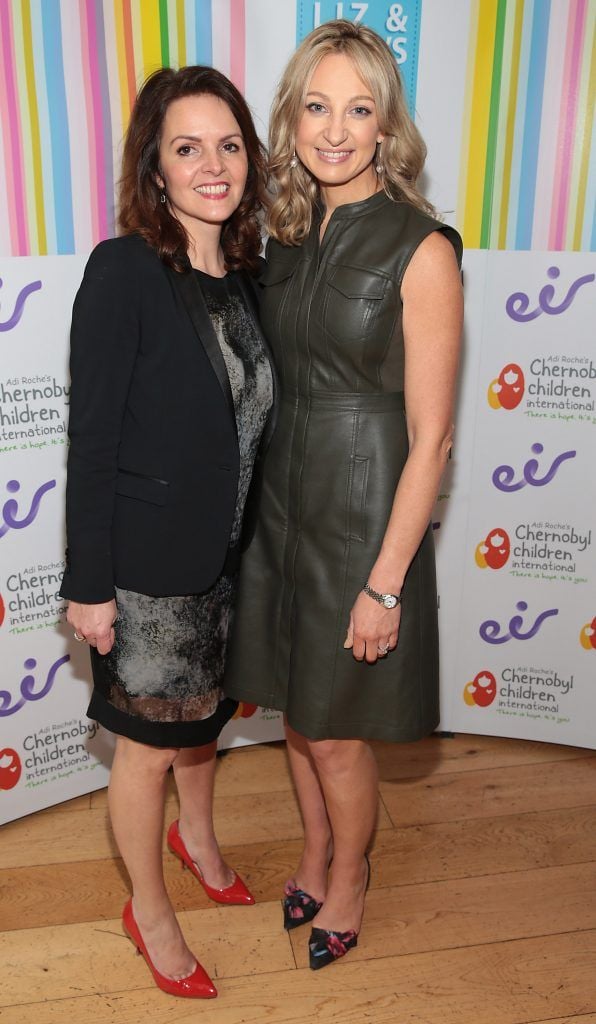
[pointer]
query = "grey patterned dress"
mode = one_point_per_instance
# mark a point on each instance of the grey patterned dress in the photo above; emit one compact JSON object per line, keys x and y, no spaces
{"x":161,"y":683}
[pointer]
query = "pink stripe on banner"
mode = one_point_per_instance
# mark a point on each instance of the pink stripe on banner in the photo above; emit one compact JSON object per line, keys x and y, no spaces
{"x":92,"y":134}
{"x":567,"y":121}
{"x":11,"y":130}
{"x":237,"y":43}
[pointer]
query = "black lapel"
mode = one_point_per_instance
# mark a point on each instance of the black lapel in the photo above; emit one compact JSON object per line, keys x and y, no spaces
{"x":189,"y":290}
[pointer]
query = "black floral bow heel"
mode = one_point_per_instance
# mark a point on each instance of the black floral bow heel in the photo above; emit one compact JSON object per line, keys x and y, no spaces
{"x":299,"y":907}
{"x":326,"y":946}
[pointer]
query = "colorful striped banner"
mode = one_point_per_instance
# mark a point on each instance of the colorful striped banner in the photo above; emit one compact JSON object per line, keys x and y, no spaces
{"x":528,"y":133}
{"x":69,"y":73}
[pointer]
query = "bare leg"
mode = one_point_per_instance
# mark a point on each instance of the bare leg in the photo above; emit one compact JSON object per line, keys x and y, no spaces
{"x":348,"y":775}
{"x":311,"y":874}
{"x":136,"y":799}
{"x":194,"y":771}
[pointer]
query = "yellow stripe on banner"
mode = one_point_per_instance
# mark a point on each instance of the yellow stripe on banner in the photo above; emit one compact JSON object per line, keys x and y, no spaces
{"x":501,"y":132}
{"x":42,"y":239}
{"x":181,"y":26}
{"x":22,"y":100}
{"x":151,"y":36}
{"x":465,"y":141}
{"x":121,"y":54}
{"x":584,"y":129}
{"x":510,"y":129}
{"x":136,"y":7}
{"x":481,"y":93}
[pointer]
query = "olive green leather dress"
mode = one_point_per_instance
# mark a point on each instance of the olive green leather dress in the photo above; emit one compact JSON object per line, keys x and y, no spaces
{"x":333,"y":316}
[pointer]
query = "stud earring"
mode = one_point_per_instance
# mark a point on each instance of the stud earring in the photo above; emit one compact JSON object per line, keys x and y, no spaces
{"x":293,"y":162}
{"x":163,"y":197}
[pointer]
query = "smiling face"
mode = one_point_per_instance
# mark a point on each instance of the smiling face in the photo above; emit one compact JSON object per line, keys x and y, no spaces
{"x":338,"y":131}
{"x":203,"y":163}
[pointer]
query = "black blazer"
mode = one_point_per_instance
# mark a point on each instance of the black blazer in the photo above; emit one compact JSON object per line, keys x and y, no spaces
{"x":153,"y":462}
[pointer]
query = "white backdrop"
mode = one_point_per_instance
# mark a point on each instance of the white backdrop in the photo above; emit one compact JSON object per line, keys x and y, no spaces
{"x":515,"y":521}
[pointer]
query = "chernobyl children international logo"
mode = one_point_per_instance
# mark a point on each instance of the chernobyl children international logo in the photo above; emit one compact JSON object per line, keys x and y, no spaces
{"x":522,"y":691}
{"x":10,"y":768}
{"x":587,"y":636}
{"x":482,"y":691}
{"x":397,"y":23}
{"x":50,"y":754}
{"x":507,"y":390}
{"x":33,"y":412}
{"x":30,"y":597}
{"x":493,"y":552}
{"x":539,"y":550}
{"x":559,"y":387}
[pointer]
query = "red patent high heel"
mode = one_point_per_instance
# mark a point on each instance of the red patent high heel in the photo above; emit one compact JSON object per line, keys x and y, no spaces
{"x":236,"y":893}
{"x":198,"y":985}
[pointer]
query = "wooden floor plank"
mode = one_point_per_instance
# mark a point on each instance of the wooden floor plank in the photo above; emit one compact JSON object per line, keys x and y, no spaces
{"x":86,"y":835}
{"x":484,"y":794}
{"x":502,"y":983}
{"x":58,"y":962}
{"x":78,"y":891}
{"x":481,"y":908}
{"x":578,"y":1018}
{"x":461,"y":753}
{"x":263,"y":768}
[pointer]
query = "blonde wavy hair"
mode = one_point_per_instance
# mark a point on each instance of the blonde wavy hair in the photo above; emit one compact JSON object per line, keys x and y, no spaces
{"x":402,"y":152}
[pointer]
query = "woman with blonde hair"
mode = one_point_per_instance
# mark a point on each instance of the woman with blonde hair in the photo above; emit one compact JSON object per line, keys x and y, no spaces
{"x":337,"y":616}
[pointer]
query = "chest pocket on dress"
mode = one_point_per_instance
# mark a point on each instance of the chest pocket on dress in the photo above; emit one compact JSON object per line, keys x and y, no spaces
{"x":352,"y":302}
{"x":275,"y":281}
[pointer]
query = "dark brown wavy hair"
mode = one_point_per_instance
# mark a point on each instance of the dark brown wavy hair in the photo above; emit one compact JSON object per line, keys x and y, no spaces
{"x":141,"y":211}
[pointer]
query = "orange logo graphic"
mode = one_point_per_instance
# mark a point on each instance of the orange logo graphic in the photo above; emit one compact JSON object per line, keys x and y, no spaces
{"x":481,"y":691}
{"x":10,"y":768}
{"x":2,"y":609}
{"x":245,"y":710}
{"x":494,"y":551}
{"x":587,"y":636}
{"x":507,"y":390}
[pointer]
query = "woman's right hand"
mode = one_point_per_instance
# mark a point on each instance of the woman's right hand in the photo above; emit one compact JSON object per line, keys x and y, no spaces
{"x":94,"y":622}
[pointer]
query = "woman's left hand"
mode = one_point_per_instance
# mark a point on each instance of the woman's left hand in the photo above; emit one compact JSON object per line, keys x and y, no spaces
{"x":373,"y":630}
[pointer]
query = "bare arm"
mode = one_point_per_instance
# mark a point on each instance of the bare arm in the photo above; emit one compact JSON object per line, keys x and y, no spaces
{"x":432,"y":321}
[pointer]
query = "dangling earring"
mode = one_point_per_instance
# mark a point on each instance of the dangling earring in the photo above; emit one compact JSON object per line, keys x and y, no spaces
{"x":294,"y":162}
{"x":378,"y":165}
{"x":163,"y":196}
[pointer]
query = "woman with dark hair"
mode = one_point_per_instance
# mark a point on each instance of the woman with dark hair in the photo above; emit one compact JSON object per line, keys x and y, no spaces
{"x":171,"y":396}
{"x":362,"y":304}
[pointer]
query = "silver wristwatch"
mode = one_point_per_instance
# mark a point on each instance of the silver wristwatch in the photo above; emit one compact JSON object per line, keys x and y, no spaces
{"x":387,"y":600}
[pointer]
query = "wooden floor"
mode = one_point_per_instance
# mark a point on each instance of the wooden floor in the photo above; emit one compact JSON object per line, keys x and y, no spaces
{"x":482,"y":906}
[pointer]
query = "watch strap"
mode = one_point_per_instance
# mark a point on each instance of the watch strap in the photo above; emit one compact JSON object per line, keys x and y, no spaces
{"x":380,"y":598}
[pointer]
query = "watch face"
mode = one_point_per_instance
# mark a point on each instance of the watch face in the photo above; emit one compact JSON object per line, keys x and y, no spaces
{"x":390,"y":600}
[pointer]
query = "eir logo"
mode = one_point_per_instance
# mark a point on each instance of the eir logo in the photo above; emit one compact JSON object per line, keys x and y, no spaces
{"x":19,"y":306}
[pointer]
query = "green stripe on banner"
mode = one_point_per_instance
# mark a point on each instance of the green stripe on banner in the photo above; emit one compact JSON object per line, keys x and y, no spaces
{"x":164,"y":33}
{"x":493,"y":123}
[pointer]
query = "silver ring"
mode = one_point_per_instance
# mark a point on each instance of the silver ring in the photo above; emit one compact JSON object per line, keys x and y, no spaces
{"x":383,"y":650}
{"x":81,"y":639}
